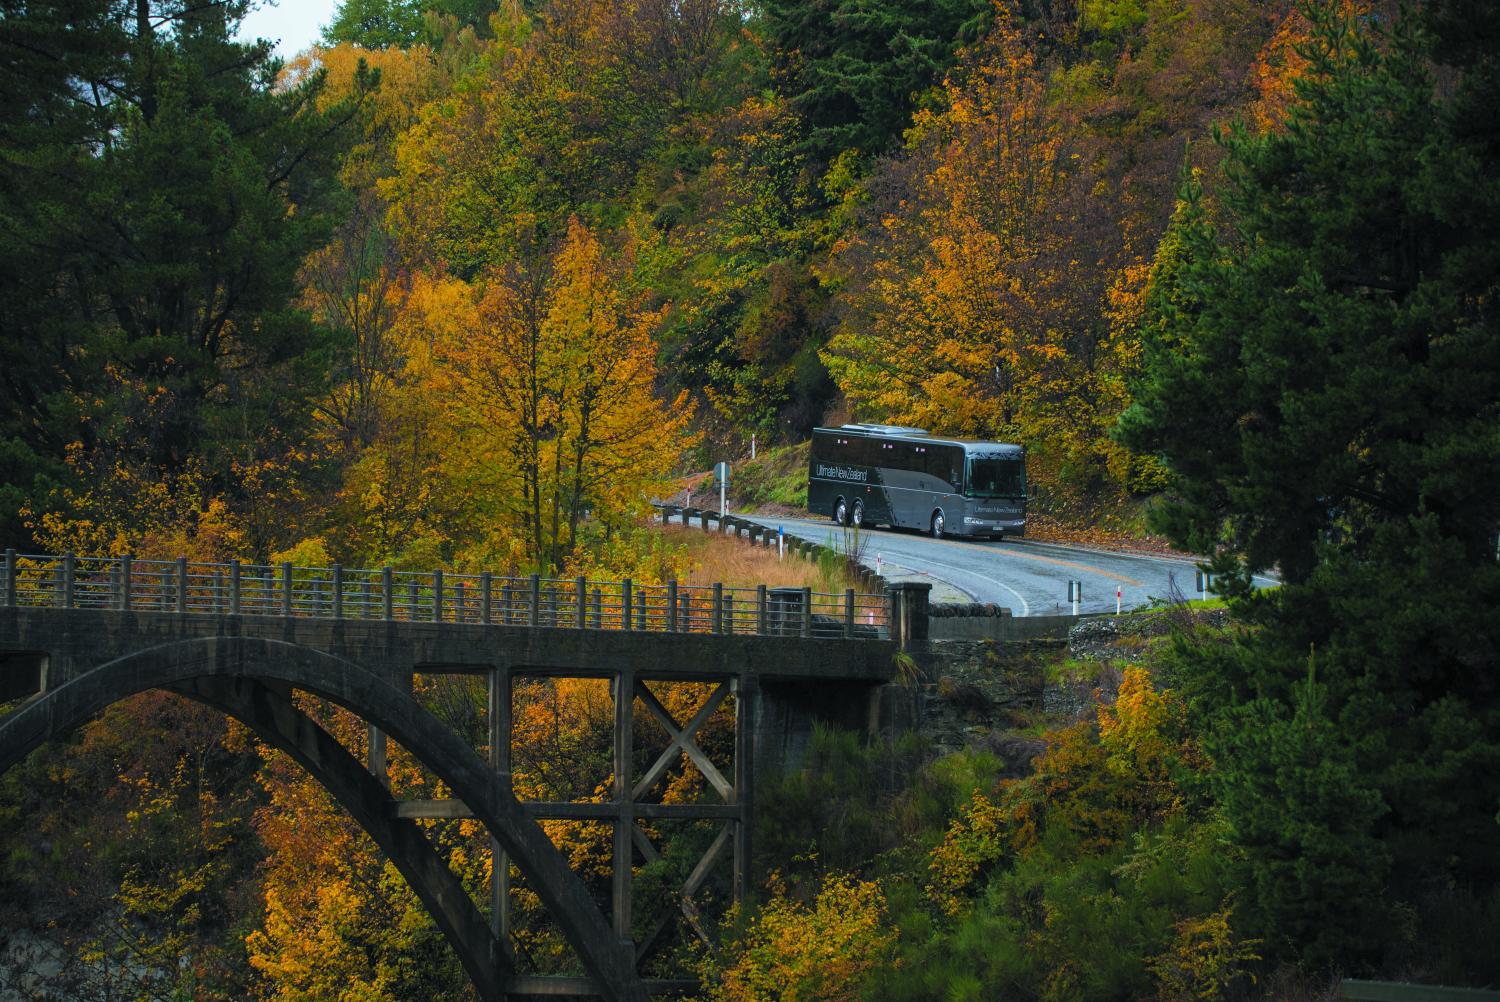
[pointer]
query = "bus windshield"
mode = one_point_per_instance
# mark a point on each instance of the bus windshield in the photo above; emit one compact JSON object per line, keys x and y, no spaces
{"x":996,"y":478}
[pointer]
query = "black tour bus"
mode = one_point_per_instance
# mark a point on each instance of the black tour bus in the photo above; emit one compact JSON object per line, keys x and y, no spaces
{"x":877,"y":474}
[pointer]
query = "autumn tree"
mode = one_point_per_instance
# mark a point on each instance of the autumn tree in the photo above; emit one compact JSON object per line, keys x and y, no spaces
{"x":553,"y":386}
{"x":954,"y":329}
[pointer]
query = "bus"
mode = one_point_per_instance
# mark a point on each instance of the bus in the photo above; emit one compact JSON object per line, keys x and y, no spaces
{"x":877,"y":474}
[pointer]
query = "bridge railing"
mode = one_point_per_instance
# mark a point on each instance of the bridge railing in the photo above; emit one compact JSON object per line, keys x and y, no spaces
{"x":337,"y":592}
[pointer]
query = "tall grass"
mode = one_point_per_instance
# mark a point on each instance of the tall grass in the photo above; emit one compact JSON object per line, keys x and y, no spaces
{"x":737,"y":564}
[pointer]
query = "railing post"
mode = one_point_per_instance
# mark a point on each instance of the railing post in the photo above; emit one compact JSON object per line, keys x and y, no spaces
{"x":486,"y":609}
{"x":10,"y":577}
{"x":218,"y":590}
{"x":460,"y":600}
{"x":507,"y":603}
{"x":125,"y":574}
{"x":234,"y":588}
{"x":597,"y":620}
{"x":437,"y":596}
{"x":848,"y":612}
{"x":762,"y":614}
{"x":718,"y":607}
{"x":807,"y":612}
{"x":908,"y":612}
{"x":534,"y":601}
{"x":729,"y":613}
{"x":414,"y":599}
{"x":70,"y":566}
{"x":338,"y":591}
{"x":672,"y":606}
{"x":387,"y":600}
{"x":625,"y":609}
{"x":286,"y":589}
{"x":583,"y":588}
{"x":182,"y":584}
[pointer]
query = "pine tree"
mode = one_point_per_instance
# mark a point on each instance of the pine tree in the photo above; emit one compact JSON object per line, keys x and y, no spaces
{"x":1323,"y":380}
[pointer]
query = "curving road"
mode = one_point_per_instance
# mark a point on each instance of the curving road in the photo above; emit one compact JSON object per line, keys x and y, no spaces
{"x":1028,"y":577}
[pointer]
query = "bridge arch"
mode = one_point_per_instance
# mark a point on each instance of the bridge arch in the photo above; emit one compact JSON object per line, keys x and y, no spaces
{"x":251,"y":679}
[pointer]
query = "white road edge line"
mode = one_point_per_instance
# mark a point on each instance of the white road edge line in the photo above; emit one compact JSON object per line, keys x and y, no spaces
{"x":1025,"y":606}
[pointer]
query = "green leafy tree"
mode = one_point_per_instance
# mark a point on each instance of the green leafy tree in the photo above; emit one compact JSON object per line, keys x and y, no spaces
{"x":1323,"y":380}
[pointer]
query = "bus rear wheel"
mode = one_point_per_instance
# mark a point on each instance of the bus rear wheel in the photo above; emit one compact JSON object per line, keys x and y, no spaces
{"x":841,"y":512}
{"x":858,"y":518}
{"x":937,"y":525}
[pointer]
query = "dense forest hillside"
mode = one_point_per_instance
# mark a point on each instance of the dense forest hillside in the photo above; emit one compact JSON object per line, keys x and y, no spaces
{"x":469,"y":283}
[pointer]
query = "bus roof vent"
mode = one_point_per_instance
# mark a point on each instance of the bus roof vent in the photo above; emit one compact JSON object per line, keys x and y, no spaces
{"x":886,"y":429}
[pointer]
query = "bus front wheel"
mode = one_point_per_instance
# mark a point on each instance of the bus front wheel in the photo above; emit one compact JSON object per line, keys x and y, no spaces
{"x":841,"y":512}
{"x":937,"y":525}
{"x":858,"y":518}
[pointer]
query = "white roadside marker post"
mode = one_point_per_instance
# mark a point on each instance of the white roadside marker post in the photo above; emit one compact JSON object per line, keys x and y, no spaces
{"x":780,"y":543}
{"x":1117,"y":600}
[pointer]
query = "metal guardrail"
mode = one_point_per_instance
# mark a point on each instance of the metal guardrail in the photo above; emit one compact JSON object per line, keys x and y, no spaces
{"x":336,"y":592}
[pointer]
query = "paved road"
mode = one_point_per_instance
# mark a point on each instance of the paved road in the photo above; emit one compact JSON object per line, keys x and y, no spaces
{"x":1028,"y":577}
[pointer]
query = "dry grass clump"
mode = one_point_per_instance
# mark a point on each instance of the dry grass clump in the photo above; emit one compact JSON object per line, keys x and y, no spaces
{"x":737,"y":564}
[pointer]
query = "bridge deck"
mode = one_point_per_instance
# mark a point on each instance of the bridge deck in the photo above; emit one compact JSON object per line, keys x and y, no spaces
{"x":76,"y":640}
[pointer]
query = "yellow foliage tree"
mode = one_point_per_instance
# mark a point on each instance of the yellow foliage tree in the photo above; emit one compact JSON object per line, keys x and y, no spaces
{"x":549,"y":390}
{"x":810,"y":953}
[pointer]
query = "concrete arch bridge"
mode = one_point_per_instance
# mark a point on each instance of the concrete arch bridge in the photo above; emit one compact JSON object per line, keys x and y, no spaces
{"x":77,"y":635}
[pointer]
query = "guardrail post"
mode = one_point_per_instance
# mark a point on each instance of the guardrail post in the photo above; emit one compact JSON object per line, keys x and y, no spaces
{"x":807,"y":612}
{"x":69,"y":567}
{"x":338,"y":591}
{"x":437,"y":596}
{"x":718,"y":607}
{"x":672,"y":606}
{"x":486,"y":606}
{"x":848,"y":612}
{"x":234,"y":588}
{"x":625,"y":609}
{"x":125,"y":574}
{"x":762,"y":614}
{"x":534,"y":601}
{"x":286,"y":589}
{"x":10,"y":577}
{"x":387,"y":600}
